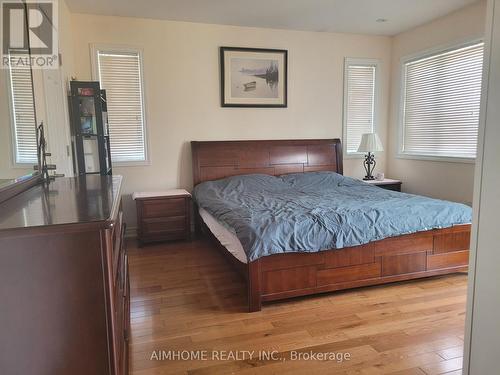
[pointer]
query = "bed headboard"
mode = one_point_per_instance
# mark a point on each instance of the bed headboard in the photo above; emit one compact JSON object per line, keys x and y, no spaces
{"x":213,"y":160}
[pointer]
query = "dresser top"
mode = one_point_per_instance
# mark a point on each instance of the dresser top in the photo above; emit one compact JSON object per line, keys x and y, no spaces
{"x":67,"y":200}
{"x":164,"y":193}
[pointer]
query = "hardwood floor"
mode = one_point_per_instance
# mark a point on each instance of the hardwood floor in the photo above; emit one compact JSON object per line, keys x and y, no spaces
{"x":185,"y":297}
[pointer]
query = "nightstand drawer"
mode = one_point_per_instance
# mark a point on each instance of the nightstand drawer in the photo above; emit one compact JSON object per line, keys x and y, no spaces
{"x":393,"y":187}
{"x":164,"y":207}
{"x":387,"y":184}
{"x":164,"y":225}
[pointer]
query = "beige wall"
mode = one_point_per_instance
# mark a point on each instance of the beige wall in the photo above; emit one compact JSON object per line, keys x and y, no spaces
{"x":66,"y":41}
{"x":446,"y":180}
{"x":181,"y":73}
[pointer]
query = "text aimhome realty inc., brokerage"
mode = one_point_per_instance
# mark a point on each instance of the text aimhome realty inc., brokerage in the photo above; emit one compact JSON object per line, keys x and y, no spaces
{"x":240,"y":355}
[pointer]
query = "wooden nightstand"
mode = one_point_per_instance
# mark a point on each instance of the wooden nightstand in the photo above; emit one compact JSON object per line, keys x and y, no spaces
{"x":386,"y":183}
{"x":163,"y":216}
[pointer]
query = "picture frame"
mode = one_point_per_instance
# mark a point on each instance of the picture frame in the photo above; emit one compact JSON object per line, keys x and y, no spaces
{"x":253,"y":77}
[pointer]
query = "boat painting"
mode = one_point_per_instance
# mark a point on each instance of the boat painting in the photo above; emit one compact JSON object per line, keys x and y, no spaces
{"x":250,"y":85}
{"x":252,"y":77}
{"x":265,"y":74}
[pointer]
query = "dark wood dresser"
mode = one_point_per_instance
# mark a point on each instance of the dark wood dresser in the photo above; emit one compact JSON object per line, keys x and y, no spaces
{"x":64,"y":287}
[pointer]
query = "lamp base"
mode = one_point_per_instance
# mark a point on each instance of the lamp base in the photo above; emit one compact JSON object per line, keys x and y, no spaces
{"x":369,"y":164}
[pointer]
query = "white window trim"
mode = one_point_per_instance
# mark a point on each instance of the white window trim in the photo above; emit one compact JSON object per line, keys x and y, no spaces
{"x":94,"y":49}
{"x":376,"y":103}
{"x":400,"y":154}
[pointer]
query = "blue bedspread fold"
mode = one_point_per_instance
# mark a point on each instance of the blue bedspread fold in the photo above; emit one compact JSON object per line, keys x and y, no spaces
{"x":308,"y":212}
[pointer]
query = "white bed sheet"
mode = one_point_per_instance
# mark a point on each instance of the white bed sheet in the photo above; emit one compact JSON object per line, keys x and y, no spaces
{"x":225,"y":236}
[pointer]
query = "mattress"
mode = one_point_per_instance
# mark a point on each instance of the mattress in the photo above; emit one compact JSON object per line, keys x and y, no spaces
{"x":226,"y":237}
{"x":316,"y":211}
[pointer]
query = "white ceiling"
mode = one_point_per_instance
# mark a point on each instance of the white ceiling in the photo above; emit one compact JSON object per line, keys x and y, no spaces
{"x":347,"y":16}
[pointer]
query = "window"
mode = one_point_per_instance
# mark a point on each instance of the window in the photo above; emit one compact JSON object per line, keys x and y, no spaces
{"x":120,"y":74}
{"x":441,"y":100}
{"x":23,"y":114}
{"x":360,"y":77}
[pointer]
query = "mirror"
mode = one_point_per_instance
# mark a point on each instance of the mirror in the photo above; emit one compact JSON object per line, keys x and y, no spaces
{"x":18,"y":145}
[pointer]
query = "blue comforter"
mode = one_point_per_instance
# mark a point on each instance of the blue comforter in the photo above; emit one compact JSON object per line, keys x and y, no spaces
{"x":318,"y":211}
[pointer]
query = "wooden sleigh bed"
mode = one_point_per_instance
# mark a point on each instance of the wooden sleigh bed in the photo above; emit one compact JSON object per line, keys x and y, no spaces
{"x":275,"y":277}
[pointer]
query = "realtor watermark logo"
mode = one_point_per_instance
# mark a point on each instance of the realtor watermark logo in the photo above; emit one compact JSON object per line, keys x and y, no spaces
{"x":29,"y":34}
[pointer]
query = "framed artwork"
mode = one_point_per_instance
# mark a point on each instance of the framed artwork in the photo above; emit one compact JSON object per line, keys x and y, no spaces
{"x":253,"y":77}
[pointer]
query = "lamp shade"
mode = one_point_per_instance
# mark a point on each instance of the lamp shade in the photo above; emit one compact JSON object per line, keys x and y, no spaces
{"x":370,"y":142}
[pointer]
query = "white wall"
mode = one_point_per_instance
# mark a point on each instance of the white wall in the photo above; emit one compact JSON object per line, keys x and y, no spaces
{"x":66,"y":41}
{"x":181,"y":72}
{"x":445,"y":180}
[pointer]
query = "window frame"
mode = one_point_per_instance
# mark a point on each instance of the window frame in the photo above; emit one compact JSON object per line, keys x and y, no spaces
{"x":430,"y":52}
{"x":113,"y":48}
{"x":376,"y":100}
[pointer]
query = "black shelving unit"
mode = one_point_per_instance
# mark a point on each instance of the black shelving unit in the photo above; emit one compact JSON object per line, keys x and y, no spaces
{"x":89,"y":129}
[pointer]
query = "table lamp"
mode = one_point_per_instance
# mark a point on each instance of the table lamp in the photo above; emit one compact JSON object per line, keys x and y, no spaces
{"x":370,"y":142}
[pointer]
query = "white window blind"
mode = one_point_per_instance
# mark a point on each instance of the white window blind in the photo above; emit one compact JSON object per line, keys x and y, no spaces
{"x":23,"y":114}
{"x":120,"y":76}
{"x":359,"y":102}
{"x":442,"y":95}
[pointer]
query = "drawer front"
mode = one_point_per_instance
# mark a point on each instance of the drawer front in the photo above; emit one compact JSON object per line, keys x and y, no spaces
{"x":448,"y":260}
{"x":164,"y":207}
{"x":290,"y":279}
{"x":118,"y":239}
{"x":119,"y":318}
{"x":164,"y":225}
{"x":393,"y":187}
{"x":121,"y":311}
{"x":404,"y":263}
{"x":117,"y":253}
{"x":351,"y":273}
{"x":126,"y":319}
{"x":408,"y":244}
{"x":450,"y":242}
{"x":120,"y":263}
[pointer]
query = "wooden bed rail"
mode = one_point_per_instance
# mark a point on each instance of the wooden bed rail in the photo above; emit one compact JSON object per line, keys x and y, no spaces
{"x":412,"y":256}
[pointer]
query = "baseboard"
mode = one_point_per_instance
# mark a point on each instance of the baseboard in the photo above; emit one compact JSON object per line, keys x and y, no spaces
{"x":131,"y":232}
